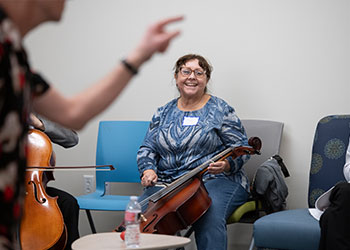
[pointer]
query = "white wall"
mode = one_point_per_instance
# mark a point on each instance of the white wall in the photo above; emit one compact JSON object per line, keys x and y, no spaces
{"x":285,"y":60}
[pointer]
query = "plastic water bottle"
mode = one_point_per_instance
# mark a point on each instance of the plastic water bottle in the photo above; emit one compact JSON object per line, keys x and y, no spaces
{"x":132,"y":223}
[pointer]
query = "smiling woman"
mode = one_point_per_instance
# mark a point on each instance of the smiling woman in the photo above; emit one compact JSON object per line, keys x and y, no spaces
{"x":187,"y":132}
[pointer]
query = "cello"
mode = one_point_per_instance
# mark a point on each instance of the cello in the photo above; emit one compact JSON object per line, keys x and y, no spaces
{"x":42,"y":225}
{"x":185,"y":200}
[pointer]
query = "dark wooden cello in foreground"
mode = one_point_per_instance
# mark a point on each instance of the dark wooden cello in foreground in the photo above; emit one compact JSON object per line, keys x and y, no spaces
{"x":184,"y":201}
{"x":42,"y":225}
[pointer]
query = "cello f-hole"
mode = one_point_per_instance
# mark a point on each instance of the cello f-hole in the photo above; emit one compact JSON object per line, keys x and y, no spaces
{"x":146,"y":229}
{"x":36,"y":193}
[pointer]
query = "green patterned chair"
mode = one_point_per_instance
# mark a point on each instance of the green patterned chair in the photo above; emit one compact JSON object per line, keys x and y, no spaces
{"x":297,"y":229}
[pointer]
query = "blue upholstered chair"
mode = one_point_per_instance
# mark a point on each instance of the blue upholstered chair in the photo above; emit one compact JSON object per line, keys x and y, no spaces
{"x":297,"y":229}
{"x":117,"y":145}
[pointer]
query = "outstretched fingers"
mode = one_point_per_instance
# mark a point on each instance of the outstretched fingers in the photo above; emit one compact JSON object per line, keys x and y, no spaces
{"x":169,"y":20}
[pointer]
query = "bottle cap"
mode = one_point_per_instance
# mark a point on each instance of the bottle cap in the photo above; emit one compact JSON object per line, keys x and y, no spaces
{"x":133,"y":198}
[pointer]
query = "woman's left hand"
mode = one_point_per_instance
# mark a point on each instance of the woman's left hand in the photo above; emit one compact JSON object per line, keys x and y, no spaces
{"x":219,"y":167}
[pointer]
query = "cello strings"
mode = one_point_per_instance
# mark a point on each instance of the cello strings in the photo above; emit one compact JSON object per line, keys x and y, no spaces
{"x":164,"y":191}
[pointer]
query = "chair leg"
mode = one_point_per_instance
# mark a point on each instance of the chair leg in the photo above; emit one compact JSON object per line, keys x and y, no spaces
{"x":187,"y":235}
{"x":91,"y":222}
{"x":251,"y":247}
{"x":189,"y":232}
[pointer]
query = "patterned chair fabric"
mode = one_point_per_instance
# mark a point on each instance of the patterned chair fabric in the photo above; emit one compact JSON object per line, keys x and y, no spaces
{"x":328,"y":155}
{"x":297,"y":229}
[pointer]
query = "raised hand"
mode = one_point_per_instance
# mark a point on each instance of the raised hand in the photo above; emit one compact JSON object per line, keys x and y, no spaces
{"x":156,"y":39}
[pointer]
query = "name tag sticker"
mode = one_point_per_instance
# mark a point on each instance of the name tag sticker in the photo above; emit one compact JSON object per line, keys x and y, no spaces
{"x":190,"y":121}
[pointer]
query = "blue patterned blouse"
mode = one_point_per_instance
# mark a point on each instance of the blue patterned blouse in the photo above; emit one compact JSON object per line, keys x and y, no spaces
{"x":179,"y":141}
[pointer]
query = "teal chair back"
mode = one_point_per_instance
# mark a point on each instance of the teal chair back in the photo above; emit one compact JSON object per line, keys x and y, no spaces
{"x":117,"y":145}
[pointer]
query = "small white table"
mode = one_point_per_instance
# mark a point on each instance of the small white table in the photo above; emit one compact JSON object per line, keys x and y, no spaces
{"x":112,"y":241}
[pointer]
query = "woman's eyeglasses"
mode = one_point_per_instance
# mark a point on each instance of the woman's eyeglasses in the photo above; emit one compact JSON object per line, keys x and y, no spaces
{"x":186,"y":72}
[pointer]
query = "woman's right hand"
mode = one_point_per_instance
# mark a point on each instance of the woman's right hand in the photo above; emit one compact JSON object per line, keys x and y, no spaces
{"x":149,"y":178}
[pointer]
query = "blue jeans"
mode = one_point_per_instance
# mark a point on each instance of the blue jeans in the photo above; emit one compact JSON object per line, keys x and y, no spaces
{"x":210,"y":230}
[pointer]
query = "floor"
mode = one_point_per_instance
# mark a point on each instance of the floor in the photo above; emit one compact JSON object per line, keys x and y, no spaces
{"x":239,"y":237}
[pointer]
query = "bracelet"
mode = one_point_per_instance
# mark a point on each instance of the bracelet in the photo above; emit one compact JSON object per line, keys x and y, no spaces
{"x":130,"y":67}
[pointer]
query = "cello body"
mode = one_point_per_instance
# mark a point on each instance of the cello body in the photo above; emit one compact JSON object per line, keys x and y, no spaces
{"x":177,"y":210}
{"x":184,"y":201}
{"x":42,"y":225}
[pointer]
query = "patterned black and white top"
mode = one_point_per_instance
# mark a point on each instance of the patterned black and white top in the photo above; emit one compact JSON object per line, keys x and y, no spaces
{"x":18,"y":85}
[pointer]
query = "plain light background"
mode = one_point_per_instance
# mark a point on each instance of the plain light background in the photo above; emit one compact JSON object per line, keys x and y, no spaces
{"x":278,"y":60}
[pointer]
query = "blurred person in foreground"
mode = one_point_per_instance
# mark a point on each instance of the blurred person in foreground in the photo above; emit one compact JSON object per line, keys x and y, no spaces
{"x":21,"y":90}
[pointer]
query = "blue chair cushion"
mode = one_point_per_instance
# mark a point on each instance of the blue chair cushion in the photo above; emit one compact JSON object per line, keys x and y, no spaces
{"x":95,"y":201}
{"x":289,"y":229}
